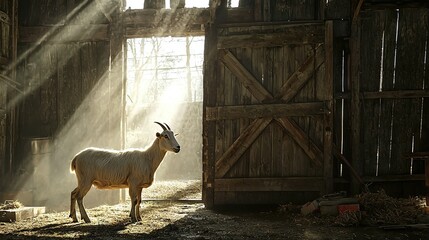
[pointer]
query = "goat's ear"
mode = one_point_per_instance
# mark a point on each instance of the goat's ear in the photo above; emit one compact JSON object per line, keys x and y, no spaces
{"x":158,"y":134}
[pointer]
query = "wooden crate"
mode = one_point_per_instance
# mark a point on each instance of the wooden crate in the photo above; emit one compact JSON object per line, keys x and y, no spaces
{"x":18,"y":214}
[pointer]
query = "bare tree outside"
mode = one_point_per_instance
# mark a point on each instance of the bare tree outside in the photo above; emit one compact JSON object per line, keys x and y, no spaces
{"x":164,"y":83}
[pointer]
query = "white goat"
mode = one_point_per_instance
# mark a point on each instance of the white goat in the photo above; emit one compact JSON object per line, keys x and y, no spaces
{"x":110,"y":169}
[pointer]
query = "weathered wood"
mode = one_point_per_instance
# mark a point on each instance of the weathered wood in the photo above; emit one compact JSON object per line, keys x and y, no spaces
{"x":241,"y":144}
{"x":394,"y":178}
{"x":265,"y":110}
{"x":165,"y":22}
{"x":305,"y":33}
{"x":19,"y":214}
{"x":61,"y":34}
{"x":389,"y":26}
{"x":246,"y":78}
{"x":155,"y":4}
{"x":313,"y":152}
{"x":210,"y":144}
{"x":293,"y":10}
{"x":423,"y":93}
{"x":328,"y":91}
{"x":354,"y":67}
{"x":370,"y":81}
{"x":268,"y":184}
{"x":300,"y":77}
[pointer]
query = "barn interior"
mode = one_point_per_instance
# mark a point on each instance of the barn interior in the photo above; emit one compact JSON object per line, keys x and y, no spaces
{"x":274,"y":101}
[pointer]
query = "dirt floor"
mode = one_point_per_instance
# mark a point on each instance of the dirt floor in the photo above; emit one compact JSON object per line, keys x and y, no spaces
{"x":183,"y":217}
{"x":190,"y":220}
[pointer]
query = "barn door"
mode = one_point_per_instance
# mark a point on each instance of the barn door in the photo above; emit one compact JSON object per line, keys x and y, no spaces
{"x":267,"y":122}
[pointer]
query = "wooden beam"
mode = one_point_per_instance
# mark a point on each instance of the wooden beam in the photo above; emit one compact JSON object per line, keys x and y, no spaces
{"x":354,"y":66}
{"x":245,"y":77}
{"x":357,"y":10}
{"x":166,"y":17}
{"x":241,"y":144}
{"x":264,"y":110}
{"x":269,"y":184}
{"x":387,"y":94}
{"x":68,"y":33}
{"x":301,"y":138}
{"x":397,"y":94}
{"x":305,"y":33}
{"x":301,"y":76}
{"x":394,"y":178}
{"x":328,"y":120}
{"x":147,"y":32}
{"x":210,"y":81}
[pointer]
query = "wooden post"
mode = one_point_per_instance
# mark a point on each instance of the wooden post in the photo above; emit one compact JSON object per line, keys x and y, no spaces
{"x":355,"y":103}
{"x":209,"y":127}
{"x":11,"y":111}
{"x":329,"y":105}
{"x":117,"y":73}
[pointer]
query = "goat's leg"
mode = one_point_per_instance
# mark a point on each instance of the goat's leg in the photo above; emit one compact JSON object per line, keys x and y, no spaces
{"x":133,"y":197}
{"x":83,"y":191}
{"x":139,"y":200}
{"x":73,"y":197}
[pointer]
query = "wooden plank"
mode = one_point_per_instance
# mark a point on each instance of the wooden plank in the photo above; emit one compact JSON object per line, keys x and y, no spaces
{"x":311,"y":33}
{"x":394,"y":94}
{"x":153,"y":17}
{"x":269,"y":184}
{"x":245,"y":77}
{"x":313,"y":152}
{"x":389,"y":20}
{"x":328,"y":116}
{"x":241,"y":144}
{"x":300,"y":77}
{"x":278,"y":151}
{"x":165,"y":22}
{"x":19,"y":214}
{"x":242,"y":97}
{"x":210,"y":80}
{"x":370,"y":81}
{"x":354,"y":67}
{"x":394,"y":178}
{"x":295,"y":10}
{"x":61,"y":34}
{"x":397,"y":94}
{"x":410,"y":72}
{"x":265,"y":110}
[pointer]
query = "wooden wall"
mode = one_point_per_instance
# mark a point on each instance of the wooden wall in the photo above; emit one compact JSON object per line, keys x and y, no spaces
{"x":267,"y":136}
{"x":8,"y":87}
{"x":70,"y":96}
{"x":379,"y":67}
{"x":394,"y":111}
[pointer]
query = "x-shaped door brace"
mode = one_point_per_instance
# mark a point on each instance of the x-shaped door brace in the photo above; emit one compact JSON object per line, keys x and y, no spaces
{"x":287,"y":92}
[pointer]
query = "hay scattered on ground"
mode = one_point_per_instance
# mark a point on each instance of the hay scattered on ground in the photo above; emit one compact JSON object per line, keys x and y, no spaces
{"x":376,"y":209}
{"x":11,"y":205}
{"x":174,"y":190}
{"x":380,"y":209}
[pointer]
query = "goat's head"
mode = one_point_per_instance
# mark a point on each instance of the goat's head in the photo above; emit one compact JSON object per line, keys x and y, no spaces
{"x":167,"y":139}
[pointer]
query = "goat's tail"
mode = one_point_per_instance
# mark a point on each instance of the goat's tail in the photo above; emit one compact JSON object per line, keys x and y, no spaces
{"x":73,"y":165}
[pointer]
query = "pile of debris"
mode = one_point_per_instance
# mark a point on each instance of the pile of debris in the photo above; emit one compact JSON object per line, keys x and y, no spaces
{"x":11,"y":204}
{"x":381,"y":209}
{"x":368,"y":209}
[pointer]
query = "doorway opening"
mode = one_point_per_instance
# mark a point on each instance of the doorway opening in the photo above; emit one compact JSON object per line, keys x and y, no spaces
{"x":165,"y":84}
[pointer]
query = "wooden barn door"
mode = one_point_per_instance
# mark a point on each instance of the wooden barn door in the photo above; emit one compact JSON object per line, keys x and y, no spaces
{"x":267,"y":114}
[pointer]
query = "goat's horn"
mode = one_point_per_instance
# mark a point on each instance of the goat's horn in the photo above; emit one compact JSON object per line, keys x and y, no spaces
{"x":163,"y":127}
{"x":167,"y":126}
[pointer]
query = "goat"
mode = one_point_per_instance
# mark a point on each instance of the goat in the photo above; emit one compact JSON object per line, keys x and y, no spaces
{"x":111,"y":169}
